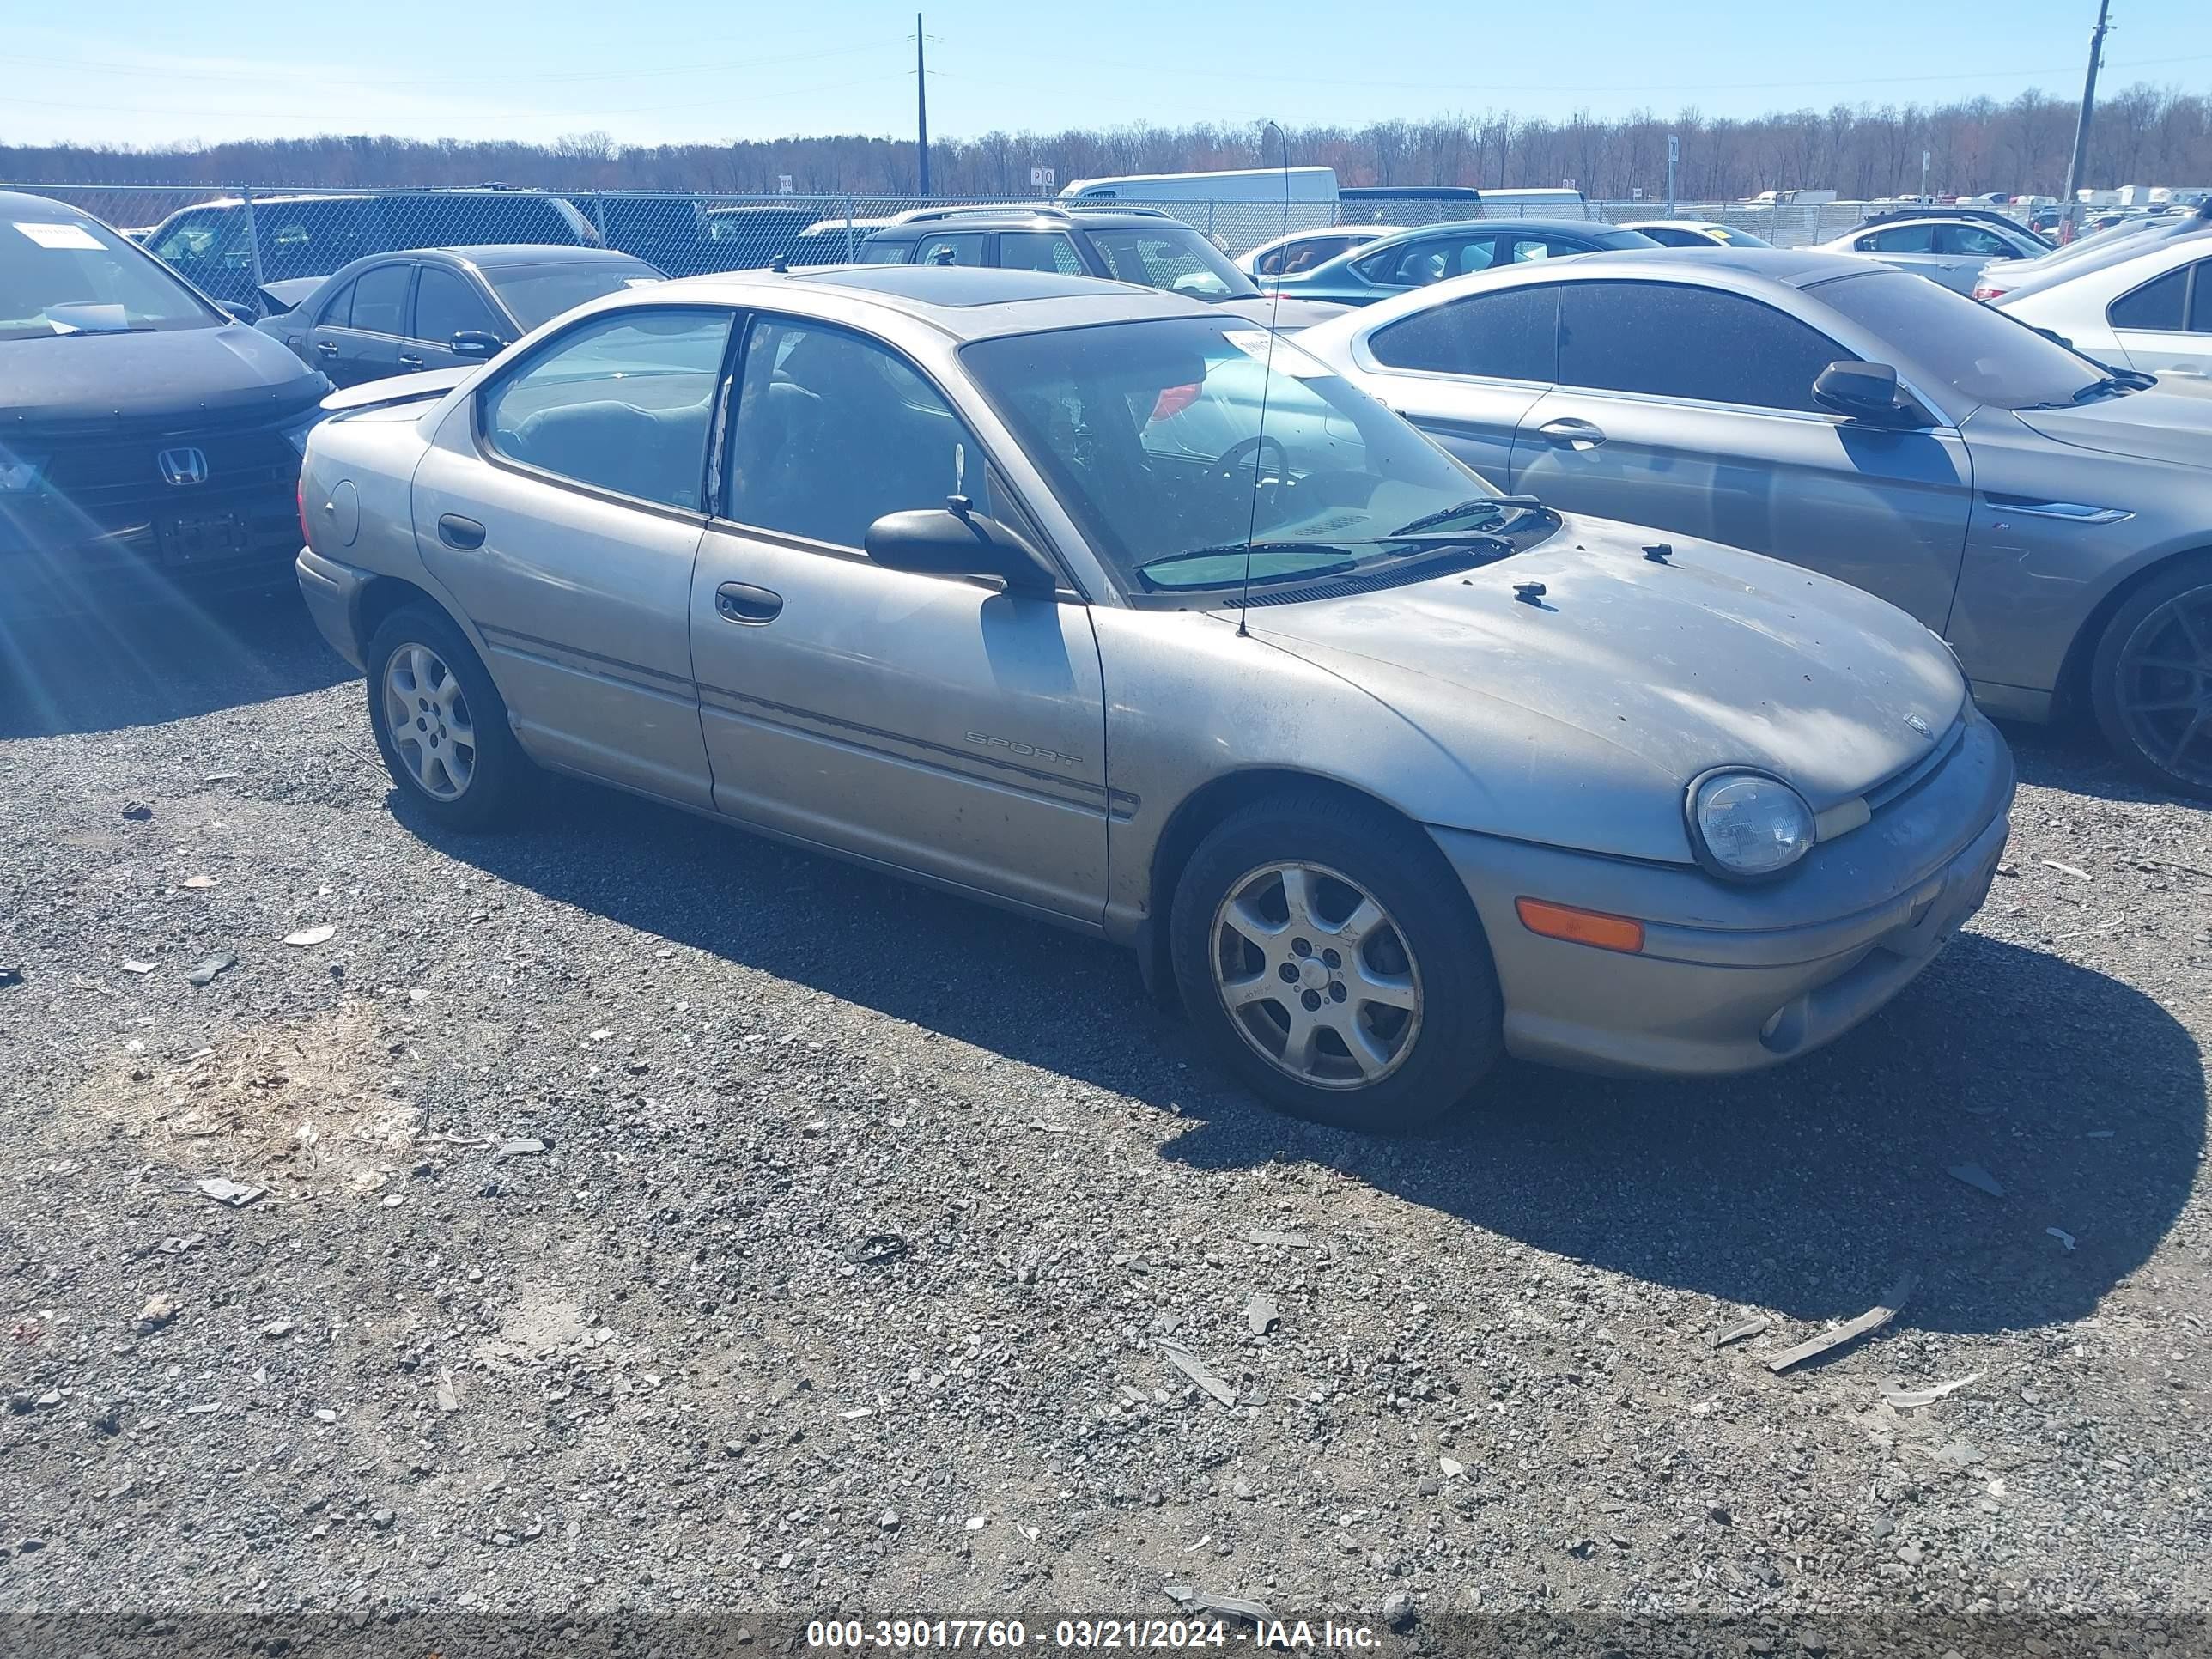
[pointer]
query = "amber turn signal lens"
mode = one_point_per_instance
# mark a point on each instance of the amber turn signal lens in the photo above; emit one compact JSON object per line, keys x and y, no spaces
{"x":1580,"y":926}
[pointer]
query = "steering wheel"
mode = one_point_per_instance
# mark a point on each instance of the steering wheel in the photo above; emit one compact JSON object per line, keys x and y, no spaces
{"x":1250,"y":452}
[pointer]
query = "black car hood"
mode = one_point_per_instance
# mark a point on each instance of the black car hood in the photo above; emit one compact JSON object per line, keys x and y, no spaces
{"x":159,"y":375}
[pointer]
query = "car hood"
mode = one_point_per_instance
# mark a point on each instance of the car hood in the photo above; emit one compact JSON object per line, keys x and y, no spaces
{"x":2171,"y":422}
{"x":159,"y":375}
{"x":1636,"y":676}
{"x":1286,"y":313}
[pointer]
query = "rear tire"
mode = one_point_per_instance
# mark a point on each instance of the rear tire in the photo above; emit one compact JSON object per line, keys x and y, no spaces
{"x":2150,"y":682}
{"x":1334,"y":964}
{"x":440,"y":723}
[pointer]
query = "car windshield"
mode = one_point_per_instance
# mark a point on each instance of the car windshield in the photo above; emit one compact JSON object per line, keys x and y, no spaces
{"x":1981,"y":352}
{"x":539,"y":293}
{"x":1174,"y":258}
{"x":1150,"y":434}
{"x":70,"y":277}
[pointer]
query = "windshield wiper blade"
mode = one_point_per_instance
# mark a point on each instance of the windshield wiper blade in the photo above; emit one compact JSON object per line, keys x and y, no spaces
{"x":1445,"y":515}
{"x":2120,"y":379}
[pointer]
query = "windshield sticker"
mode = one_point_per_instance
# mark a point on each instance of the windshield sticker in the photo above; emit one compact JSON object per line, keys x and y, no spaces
{"x":58,"y":236}
{"x":1280,"y":354}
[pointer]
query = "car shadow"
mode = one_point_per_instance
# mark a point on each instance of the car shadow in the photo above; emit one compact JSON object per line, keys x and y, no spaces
{"x":1805,"y":1189}
{"x":109,"y":670}
{"x":2072,"y":756}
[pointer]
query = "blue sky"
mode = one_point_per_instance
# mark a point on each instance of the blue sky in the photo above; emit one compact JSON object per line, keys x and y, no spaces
{"x":149,"y":71}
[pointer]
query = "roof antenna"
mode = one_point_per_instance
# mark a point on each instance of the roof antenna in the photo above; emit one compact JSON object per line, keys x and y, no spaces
{"x":1266,"y":384}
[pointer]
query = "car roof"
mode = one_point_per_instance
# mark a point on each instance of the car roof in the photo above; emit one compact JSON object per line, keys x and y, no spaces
{"x":39,"y":210}
{"x":1674,"y":224}
{"x":914,"y":227}
{"x":968,"y":302}
{"x":1797,"y":267}
{"x":1460,"y":227}
{"x":495,"y":254}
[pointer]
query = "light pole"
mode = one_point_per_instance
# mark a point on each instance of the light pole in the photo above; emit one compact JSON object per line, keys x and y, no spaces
{"x":920,"y":108}
{"x":2088,"y":107}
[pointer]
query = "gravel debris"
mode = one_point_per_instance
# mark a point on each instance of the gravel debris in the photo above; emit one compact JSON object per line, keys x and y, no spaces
{"x":788,"y":1173}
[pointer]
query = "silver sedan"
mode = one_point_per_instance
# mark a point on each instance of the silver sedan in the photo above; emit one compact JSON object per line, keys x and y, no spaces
{"x":2049,"y":515}
{"x":1004,"y":581}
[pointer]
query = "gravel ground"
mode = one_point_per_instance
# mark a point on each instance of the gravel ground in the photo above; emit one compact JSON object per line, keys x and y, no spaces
{"x":656,"y":1218}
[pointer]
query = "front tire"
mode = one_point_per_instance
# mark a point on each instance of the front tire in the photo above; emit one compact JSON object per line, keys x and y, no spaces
{"x":1332,"y":961}
{"x":440,"y":723}
{"x":2150,"y":682}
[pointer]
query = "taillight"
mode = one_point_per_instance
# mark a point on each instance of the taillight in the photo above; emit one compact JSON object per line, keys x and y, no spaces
{"x":1987,"y":291}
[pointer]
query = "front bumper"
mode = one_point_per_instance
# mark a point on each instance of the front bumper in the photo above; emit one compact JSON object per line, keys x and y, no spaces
{"x":126,"y":565}
{"x":1731,"y":978}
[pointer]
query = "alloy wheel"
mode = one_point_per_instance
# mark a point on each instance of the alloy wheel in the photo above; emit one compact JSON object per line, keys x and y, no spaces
{"x":1316,"y":975}
{"x":2163,"y":686}
{"x":428,"y":714}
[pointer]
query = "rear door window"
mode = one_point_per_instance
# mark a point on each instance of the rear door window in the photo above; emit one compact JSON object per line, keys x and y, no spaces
{"x":379,"y":300}
{"x":2161,"y":304}
{"x":622,"y":402}
{"x":1039,"y":249}
{"x":1672,"y":340}
{"x":1506,"y":334}
{"x":958,"y":248}
{"x":1416,"y":264}
{"x":338,"y":309}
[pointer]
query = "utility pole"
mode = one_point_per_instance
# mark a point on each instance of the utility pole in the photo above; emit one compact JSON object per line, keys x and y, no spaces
{"x":922,"y":105}
{"x":2088,"y":107}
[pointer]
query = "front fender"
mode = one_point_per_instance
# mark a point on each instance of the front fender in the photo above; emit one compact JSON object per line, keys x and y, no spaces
{"x":1190,"y":701}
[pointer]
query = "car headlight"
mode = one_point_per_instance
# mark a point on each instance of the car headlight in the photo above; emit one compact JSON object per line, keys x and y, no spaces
{"x":1746,"y":823}
{"x":296,"y":432}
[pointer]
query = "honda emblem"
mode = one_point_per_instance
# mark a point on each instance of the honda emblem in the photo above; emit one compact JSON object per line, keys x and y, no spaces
{"x":183,"y":466}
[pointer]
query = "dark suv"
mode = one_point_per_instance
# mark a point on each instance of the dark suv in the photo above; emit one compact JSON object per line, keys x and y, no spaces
{"x":313,"y":235}
{"x":1141,"y":246}
{"x":149,"y":443}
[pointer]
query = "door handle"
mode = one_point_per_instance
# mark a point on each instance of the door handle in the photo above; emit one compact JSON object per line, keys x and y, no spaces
{"x":741,"y":602}
{"x":411,"y":359}
{"x":328,"y":348}
{"x":1568,"y":432}
{"x":455,"y":531}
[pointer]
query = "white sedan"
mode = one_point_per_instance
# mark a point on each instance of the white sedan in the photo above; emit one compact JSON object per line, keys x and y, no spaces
{"x":2152,"y":312}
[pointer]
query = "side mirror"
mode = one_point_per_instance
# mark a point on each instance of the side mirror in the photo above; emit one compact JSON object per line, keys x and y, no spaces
{"x":237,"y":312}
{"x":945,"y":542}
{"x":1863,"y":391}
{"x":474,"y":343}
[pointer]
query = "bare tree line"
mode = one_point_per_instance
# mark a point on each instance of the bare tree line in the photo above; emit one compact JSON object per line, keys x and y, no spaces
{"x":2144,"y":134}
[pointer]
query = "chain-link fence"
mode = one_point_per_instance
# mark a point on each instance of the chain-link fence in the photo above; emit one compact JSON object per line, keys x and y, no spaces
{"x":234,"y":243}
